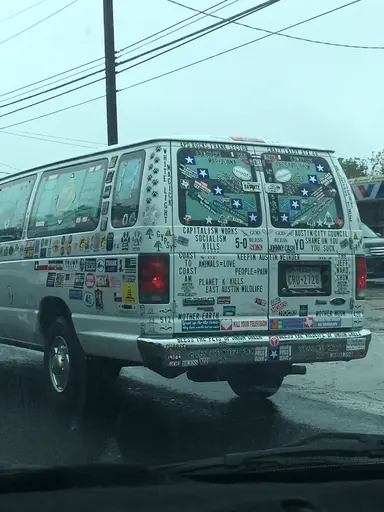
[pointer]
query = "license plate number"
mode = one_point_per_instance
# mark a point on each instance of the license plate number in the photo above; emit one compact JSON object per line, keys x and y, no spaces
{"x":304,"y":277}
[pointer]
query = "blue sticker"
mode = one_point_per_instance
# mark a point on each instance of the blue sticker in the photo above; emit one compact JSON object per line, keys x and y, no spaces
{"x":313,"y":179}
{"x":203,"y":173}
{"x":189,"y":160}
{"x":237,"y":204}
{"x":111,"y":265}
{"x":217,"y":190}
{"x":252,"y":217}
{"x":286,"y":323}
{"x":295,"y":204}
{"x":273,"y":354}
{"x":110,"y":238}
{"x":210,"y":324}
{"x":76,"y":294}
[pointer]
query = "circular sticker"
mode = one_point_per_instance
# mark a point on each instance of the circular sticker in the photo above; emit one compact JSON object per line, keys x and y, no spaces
{"x":242,"y":173}
{"x":100,"y":265}
{"x":274,"y":341}
{"x":90,"y":280}
{"x":283,"y":175}
{"x":89,"y":299}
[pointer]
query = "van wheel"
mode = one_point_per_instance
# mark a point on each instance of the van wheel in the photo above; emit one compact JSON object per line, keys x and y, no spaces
{"x":65,"y":362}
{"x":256,"y":383}
{"x":71,"y":375}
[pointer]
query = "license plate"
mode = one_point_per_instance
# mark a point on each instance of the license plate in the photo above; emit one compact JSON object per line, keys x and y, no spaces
{"x":304,"y":277}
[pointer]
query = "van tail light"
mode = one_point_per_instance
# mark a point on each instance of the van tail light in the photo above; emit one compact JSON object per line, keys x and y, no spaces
{"x":154,"y":278}
{"x":361,"y":277}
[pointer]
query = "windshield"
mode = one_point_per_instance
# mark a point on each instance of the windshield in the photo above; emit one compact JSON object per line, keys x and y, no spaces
{"x":184,"y":272}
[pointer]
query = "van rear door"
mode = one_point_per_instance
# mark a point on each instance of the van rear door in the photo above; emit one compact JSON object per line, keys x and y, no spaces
{"x":220,"y":250}
{"x":312,"y":270}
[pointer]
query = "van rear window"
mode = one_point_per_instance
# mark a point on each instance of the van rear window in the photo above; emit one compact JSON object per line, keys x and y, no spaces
{"x":303,"y":192}
{"x":217,"y":188}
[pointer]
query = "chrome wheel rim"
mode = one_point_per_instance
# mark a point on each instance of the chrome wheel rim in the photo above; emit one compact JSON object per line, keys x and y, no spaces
{"x":59,"y":364}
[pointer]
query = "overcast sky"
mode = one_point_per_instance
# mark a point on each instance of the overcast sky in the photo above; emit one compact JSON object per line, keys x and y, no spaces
{"x":277,"y":88}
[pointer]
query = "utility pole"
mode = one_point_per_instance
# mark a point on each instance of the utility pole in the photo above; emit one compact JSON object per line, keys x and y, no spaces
{"x":110,"y":72}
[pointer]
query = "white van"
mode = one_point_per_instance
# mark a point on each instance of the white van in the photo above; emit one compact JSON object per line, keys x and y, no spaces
{"x":228,"y":258}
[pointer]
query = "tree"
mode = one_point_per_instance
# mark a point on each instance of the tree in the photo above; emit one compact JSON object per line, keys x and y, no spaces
{"x":355,"y":167}
{"x":377,"y":162}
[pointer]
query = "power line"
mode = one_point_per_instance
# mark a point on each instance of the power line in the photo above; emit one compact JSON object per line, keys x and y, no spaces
{"x":328,"y":43}
{"x":37,"y":23}
{"x":199,"y":33}
{"x":182,"y":67}
{"x":50,"y":77}
{"x":51,"y":98}
{"x":46,"y":140}
{"x":49,"y":90}
{"x":9,"y":167}
{"x":63,"y":138}
{"x":238,"y":47}
{"x":101,"y":58}
{"x":21,"y":12}
{"x":176,"y":25}
{"x":54,"y":112}
{"x":47,"y":85}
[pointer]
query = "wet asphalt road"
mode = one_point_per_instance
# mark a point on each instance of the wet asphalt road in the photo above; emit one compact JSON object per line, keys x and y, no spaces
{"x":151,"y":420}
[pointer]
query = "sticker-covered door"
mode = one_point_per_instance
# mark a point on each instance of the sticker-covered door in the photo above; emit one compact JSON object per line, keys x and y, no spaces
{"x":311,"y":259}
{"x":221,"y":266}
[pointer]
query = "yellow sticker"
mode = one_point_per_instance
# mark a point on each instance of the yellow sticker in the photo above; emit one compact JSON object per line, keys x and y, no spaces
{"x":103,"y":242}
{"x":129,"y":293}
{"x":168,"y":232}
{"x":355,"y":237}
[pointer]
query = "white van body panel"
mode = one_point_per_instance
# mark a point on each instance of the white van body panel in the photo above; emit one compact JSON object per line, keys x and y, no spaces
{"x":225,"y":282}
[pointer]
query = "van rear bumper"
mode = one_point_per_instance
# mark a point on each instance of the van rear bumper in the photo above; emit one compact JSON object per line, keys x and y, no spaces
{"x":185,"y":352}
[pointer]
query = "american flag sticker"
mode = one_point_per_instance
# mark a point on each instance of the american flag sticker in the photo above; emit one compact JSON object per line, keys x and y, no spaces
{"x":318,"y":194}
{"x":130,"y":266}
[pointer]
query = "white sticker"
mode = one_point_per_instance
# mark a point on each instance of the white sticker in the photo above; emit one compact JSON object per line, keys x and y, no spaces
{"x":125,"y":219}
{"x":283,"y":175}
{"x":242,"y":173}
{"x":6,"y":224}
{"x":274,"y":188}
{"x":251,"y":186}
{"x":89,"y":299}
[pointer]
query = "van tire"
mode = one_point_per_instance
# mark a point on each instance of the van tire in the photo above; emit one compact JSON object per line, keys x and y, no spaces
{"x":65,"y":363}
{"x":256,"y":383}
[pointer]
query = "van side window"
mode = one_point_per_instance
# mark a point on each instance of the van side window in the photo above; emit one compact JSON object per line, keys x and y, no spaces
{"x":14,"y":199}
{"x":218,"y":188}
{"x":68,"y":200}
{"x":306,"y":192}
{"x":126,"y":197}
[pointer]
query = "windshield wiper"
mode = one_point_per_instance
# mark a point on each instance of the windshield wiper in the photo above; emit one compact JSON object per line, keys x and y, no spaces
{"x":318,"y":448}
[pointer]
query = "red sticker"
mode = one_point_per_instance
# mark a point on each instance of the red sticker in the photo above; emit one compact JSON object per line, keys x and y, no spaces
{"x":274,"y":341}
{"x":90,"y":280}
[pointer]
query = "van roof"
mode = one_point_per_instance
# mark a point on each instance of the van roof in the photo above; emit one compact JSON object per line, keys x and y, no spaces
{"x":173,"y":138}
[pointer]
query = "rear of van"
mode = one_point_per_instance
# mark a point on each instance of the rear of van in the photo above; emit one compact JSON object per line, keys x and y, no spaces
{"x":267,"y":270}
